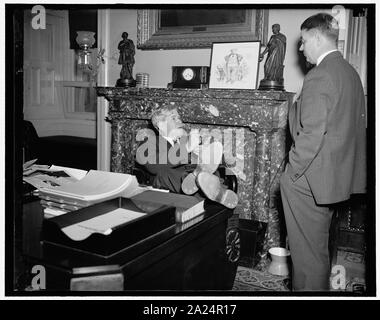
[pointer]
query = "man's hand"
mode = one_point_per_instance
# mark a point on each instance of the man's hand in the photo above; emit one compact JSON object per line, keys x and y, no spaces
{"x":177,"y":133}
{"x":194,"y":139}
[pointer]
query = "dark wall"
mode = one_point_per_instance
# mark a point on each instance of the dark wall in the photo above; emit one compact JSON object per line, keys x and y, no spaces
{"x":82,"y":20}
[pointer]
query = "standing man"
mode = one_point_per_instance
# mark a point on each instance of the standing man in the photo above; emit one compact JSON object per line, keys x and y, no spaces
{"x":327,"y":161}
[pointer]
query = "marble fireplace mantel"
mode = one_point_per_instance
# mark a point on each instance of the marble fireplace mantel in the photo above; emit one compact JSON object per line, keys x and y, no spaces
{"x":261,"y":117}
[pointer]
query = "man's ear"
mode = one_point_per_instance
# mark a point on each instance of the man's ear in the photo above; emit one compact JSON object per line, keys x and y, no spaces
{"x":319,"y":37}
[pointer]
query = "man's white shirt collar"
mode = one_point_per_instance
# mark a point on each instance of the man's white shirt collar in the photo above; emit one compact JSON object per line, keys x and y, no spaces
{"x":321,"y":57}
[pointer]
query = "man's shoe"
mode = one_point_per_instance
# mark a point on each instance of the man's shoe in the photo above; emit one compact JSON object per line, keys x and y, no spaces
{"x":211,"y":187}
{"x":209,"y":158}
{"x":189,"y":186}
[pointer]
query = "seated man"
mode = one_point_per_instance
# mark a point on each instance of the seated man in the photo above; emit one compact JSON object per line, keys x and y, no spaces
{"x":179,"y":162}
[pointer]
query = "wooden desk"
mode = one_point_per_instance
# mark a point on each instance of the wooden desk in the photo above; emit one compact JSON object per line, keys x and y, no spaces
{"x":192,"y":256}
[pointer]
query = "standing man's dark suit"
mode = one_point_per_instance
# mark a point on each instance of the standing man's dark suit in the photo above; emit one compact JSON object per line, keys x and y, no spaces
{"x":327,"y":163}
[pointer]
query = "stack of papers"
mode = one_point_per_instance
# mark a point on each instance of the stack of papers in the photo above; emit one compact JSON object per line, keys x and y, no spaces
{"x":63,"y":189}
{"x":40,"y":176}
{"x":97,"y":186}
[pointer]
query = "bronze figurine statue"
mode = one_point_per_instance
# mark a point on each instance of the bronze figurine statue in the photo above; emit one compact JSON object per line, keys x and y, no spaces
{"x":127,"y":60}
{"x":274,"y":65}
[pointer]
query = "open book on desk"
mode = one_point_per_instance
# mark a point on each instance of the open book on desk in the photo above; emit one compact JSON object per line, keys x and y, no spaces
{"x":187,"y":207}
{"x":96,"y":186}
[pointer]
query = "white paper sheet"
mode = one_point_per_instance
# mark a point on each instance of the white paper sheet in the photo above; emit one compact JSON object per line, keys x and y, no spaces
{"x":73,"y":172}
{"x":101,"y":224}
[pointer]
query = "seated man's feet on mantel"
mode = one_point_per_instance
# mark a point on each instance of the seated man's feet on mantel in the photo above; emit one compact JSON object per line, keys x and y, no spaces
{"x":215,"y":191}
{"x":209,"y":159}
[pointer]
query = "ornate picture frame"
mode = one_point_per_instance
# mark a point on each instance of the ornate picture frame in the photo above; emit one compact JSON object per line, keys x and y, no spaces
{"x":234,"y":65}
{"x":151,"y":36}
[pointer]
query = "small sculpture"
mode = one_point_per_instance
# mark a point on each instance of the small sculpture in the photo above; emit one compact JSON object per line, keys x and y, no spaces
{"x":274,"y":65}
{"x":127,"y":60}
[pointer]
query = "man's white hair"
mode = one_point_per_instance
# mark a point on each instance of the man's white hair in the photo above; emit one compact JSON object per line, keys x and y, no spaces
{"x":164,"y":113}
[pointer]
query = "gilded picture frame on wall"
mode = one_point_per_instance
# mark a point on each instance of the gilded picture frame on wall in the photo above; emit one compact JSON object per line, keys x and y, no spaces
{"x":168,"y":29}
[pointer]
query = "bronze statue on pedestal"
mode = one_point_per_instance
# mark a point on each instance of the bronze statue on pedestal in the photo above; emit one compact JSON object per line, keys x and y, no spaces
{"x":127,"y":60}
{"x":274,"y":65}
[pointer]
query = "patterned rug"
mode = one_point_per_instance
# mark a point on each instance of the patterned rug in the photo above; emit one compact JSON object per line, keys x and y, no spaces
{"x":354,"y":267}
{"x":248,"y":279}
{"x":252,"y":279}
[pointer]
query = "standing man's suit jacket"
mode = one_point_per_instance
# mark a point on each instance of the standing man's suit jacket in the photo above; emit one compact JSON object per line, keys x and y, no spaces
{"x":328,"y":127}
